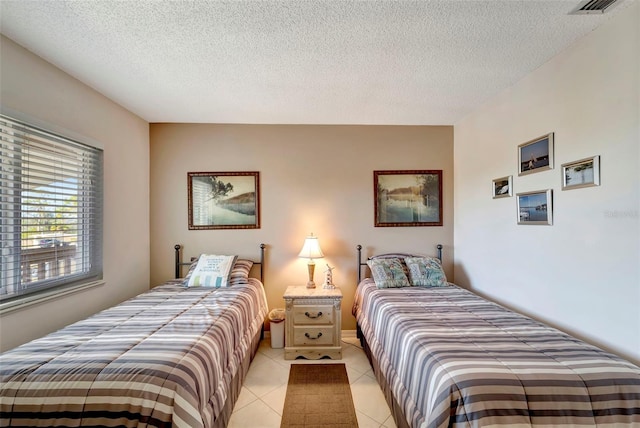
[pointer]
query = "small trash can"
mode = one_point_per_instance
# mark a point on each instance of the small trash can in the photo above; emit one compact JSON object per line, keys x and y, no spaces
{"x":276,"y":320}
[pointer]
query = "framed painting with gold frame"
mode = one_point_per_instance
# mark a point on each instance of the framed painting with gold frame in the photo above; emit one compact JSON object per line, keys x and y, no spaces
{"x":407,"y":198}
{"x":223,"y":200}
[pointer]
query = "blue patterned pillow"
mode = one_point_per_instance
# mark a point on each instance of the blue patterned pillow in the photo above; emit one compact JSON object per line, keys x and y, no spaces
{"x":425,"y":272}
{"x":388,"y":273}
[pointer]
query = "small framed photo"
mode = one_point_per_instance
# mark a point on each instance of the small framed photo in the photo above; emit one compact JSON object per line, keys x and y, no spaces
{"x":581,"y":173}
{"x":535,"y":207}
{"x":502,"y":187}
{"x":536,"y":155}
{"x":223,"y":200}
{"x":407,"y":198}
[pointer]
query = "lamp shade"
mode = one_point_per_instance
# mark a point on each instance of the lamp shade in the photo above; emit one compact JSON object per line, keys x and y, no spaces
{"x":311,"y":248}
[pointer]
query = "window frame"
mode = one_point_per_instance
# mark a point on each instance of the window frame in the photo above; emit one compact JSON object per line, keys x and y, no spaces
{"x":75,"y":282}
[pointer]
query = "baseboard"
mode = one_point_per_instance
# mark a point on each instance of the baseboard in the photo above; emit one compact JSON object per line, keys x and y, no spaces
{"x":348,"y":334}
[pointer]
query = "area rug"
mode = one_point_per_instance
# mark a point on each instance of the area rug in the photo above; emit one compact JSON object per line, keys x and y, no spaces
{"x":318,"y":395}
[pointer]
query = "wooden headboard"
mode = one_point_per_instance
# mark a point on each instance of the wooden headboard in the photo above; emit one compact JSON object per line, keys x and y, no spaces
{"x":361,"y":264}
{"x":179,"y":263}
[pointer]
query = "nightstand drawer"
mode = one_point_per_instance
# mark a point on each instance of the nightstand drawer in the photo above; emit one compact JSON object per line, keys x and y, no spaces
{"x":306,"y":335}
{"x":312,"y":314}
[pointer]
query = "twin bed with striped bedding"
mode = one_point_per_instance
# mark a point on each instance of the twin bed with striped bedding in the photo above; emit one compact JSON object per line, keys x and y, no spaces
{"x":173,"y":356}
{"x":447,"y":357}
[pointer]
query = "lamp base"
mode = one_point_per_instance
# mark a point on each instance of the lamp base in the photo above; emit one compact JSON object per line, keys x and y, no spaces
{"x":311,"y":266}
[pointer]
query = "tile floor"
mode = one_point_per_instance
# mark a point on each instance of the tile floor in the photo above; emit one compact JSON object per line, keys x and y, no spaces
{"x":262,"y":397}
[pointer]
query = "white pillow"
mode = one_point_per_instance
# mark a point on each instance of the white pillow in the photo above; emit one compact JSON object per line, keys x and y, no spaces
{"x":212,"y":271}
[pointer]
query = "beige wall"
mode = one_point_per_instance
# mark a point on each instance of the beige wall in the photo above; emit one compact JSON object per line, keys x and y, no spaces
{"x":41,"y":91}
{"x":583,"y":273}
{"x":313,"y":179}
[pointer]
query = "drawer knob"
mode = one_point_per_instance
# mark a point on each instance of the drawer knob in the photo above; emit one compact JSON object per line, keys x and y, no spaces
{"x":312,"y":316}
{"x":313,"y":338}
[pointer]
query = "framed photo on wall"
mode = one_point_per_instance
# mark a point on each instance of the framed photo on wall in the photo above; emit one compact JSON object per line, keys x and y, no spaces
{"x":536,"y":155}
{"x":535,"y":207}
{"x":407,"y":198}
{"x":502,"y":187}
{"x":223,"y":200}
{"x":581,"y":173}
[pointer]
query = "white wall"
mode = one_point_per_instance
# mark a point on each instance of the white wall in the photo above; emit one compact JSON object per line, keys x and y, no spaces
{"x":34,"y":87}
{"x":313,"y":179}
{"x":582,"y":274}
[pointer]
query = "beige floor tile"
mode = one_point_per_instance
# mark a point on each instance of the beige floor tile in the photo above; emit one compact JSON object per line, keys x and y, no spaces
{"x":368,"y":399}
{"x":389,"y":423}
{"x":275,"y":398}
{"x":255,"y":415}
{"x":265,"y":375}
{"x":355,"y":359}
{"x":273,"y":353}
{"x":353,"y":375}
{"x":354,"y":341}
{"x":365,"y":421}
{"x":246,"y":397}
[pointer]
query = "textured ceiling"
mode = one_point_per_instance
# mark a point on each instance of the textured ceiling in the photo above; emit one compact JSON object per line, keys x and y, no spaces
{"x":298,"y":62}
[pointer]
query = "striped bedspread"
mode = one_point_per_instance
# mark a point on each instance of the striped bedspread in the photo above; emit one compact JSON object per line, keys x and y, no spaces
{"x":163,"y":358}
{"x":452,"y":358}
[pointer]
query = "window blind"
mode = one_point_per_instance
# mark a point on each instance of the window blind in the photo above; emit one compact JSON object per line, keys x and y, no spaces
{"x":51,"y":211}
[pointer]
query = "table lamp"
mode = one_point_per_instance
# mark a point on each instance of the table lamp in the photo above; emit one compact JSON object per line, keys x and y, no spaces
{"x":311,"y":250}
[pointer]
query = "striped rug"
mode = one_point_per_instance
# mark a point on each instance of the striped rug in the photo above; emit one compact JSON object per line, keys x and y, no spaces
{"x":318,"y":395}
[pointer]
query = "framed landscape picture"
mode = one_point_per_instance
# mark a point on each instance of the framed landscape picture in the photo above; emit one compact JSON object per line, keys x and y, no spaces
{"x":407,"y":198}
{"x":223,"y":200}
{"x":535,"y":207}
{"x":536,"y":155}
{"x":581,"y":173}
{"x":502,"y":187}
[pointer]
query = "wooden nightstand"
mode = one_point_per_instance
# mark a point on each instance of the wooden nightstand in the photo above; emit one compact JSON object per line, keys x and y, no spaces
{"x":313,"y":320}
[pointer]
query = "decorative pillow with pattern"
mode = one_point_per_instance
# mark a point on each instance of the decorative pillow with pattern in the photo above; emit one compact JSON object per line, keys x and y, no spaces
{"x":388,"y":273}
{"x":192,"y":267}
{"x":399,"y":256}
{"x":212,"y":271}
{"x":239,"y":272}
{"x":425,"y":272}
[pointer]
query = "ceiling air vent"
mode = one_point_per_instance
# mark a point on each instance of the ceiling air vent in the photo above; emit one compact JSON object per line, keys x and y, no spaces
{"x":593,"y":6}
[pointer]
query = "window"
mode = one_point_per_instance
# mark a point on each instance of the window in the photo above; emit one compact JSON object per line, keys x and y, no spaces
{"x":51,"y":213}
